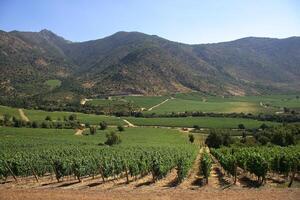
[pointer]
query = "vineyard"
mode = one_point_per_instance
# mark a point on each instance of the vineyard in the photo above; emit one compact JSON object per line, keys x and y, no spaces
{"x":260,"y":161}
{"x":90,"y":161}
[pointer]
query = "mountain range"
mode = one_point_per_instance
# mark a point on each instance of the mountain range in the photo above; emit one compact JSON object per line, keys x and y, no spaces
{"x":137,"y":63}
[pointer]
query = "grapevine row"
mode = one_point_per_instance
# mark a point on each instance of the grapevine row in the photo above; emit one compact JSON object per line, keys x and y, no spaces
{"x":260,"y":160}
{"x":104,"y":161}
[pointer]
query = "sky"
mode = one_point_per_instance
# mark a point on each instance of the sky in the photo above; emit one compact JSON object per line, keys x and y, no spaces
{"x":187,"y":21}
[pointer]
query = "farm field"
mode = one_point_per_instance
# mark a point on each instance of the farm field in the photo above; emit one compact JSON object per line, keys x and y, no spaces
{"x":145,"y":102}
{"x":203,"y":122}
{"x":38,"y":137}
{"x":182,"y":102}
{"x":39,"y":115}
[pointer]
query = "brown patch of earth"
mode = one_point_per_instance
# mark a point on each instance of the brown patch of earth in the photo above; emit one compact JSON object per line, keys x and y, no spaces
{"x":153,"y":194}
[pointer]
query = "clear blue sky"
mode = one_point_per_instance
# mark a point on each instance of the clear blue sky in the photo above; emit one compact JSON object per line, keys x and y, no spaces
{"x":188,"y":21}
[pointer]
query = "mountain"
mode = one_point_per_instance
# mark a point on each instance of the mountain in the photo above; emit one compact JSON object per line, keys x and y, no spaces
{"x":137,"y":63}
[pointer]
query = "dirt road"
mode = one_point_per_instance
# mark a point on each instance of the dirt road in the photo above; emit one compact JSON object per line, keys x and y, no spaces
{"x":145,"y":194}
{"x":158,"y":104}
{"x":129,"y":123}
{"x":23,"y":116}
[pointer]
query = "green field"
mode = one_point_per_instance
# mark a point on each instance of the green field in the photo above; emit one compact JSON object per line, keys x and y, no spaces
{"x":247,"y":104}
{"x":197,"y":102}
{"x":29,"y":137}
{"x":145,"y":102}
{"x":53,"y":83}
{"x":204,"y":122}
{"x":39,"y":115}
{"x":9,"y":110}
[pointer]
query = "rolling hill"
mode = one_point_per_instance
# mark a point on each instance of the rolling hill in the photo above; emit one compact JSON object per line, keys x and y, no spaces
{"x":137,"y":63}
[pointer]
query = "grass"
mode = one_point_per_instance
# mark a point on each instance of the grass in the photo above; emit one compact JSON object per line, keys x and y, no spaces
{"x":138,"y":101}
{"x":204,"y":122}
{"x":53,"y":83}
{"x":145,"y":101}
{"x":39,"y":115}
{"x":9,"y":110}
{"x":182,"y":105}
{"x":29,"y":137}
{"x":248,"y":104}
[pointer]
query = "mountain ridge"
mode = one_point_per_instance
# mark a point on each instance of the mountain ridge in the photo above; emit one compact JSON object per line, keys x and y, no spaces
{"x":134,"y":62}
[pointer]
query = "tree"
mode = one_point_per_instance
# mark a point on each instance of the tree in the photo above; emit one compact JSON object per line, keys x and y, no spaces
{"x":241,"y":126}
{"x":48,"y":118}
{"x":73,"y":117}
{"x":214,"y":139}
{"x":34,"y":124}
{"x":113,"y":138}
{"x":263,"y":126}
{"x":120,"y":128}
{"x":103,"y":125}
{"x":263,"y":140}
{"x":93,"y":130}
{"x":191,"y":138}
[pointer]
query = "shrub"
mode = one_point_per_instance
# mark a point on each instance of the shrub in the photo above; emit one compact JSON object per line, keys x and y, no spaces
{"x":73,"y":117}
{"x":113,"y":138}
{"x":191,"y":138}
{"x":93,"y":130}
{"x":103,"y":125}
{"x":48,"y":118}
{"x":120,"y":128}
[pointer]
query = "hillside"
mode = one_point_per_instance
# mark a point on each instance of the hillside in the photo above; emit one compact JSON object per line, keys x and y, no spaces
{"x":137,"y":63}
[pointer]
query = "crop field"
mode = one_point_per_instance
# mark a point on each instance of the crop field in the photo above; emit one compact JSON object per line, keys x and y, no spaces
{"x":145,"y":102}
{"x":194,"y":101}
{"x":203,"y":122}
{"x":39,"y":115}
{"x":248,"y":104}
{"x":106,"y":102}
{"x":38,"y":137}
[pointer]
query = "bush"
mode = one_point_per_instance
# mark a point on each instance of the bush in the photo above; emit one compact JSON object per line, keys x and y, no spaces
{"x":113,"y":138}
{"x":241,"y":126}
{"x":103,"y":125}
{"x":93,"y":130}
{"x":73,"y":117}
{"x":218,"y":138}
{"x":214,"y":139}
{"x":48,"y":118}
{"x":191,"y":138}
{"x":120,"y":128}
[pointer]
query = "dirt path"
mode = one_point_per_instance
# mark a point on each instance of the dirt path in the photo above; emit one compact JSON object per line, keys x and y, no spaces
{"x":194,"y":178}
{"x":153,"y":194}
{"x":129,"y":123}
{"x":158,"y":104}
{"x":23,"y":116}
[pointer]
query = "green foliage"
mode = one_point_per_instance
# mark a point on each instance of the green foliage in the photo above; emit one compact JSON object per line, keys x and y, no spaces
{"x":205,"y":165}
{"x":206,"y":122}
{"x":103,"y":125}
{"x":113,"y":138}
{"x":260,"y":160}
{"x":120,"y":128}
{"x":191,"y":138}
{"x":93,"y":130}
{"x":218,"y":138}
{"x":73,"y":117}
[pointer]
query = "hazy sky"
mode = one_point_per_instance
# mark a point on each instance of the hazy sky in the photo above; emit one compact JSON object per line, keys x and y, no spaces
{"x":188,"y":21}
